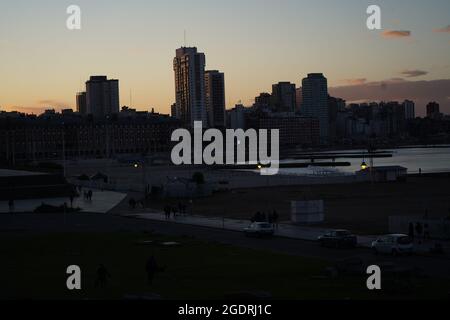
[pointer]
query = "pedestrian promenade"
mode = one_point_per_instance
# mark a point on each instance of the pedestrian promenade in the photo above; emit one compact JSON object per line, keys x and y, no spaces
{"x":102,"y":202}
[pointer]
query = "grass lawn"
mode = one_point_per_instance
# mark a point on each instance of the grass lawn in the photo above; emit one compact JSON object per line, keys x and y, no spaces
{"x":34,"y":266}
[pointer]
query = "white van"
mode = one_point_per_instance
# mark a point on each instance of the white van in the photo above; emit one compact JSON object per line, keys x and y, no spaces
{"x":394,"y":244}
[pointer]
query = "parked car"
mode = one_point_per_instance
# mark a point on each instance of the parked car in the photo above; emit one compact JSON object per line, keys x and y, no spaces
{"x":338,"y":239}
{"x":395,"y":244}
{"x":259,"y":229}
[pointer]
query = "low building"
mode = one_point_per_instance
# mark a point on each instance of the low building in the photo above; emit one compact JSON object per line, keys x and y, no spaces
{"x":30,"y":138}
{"x":384,"y":173}
{"x":19,"y":185}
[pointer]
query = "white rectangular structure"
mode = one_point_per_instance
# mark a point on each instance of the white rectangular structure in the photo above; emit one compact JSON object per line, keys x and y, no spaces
{"x":308,"y":211}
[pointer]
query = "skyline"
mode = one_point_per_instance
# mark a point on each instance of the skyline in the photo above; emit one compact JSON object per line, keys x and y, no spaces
{"x":413,"y":45}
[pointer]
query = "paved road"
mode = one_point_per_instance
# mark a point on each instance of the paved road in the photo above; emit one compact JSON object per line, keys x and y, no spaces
{"x":29,"y":223}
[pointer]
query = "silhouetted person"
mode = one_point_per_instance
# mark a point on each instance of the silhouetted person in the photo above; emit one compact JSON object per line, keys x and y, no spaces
{"x":419,"y":229}
{"x":71,"y":201}
{"x":275,"y":218}
{"x":11,"y":205}
{"x":132,"y":203}
{"x":175,"y":212}
{"x":152,"y":268}
{"x":167,"y":212}
{"x":426,"y":232}
{"x":102,"y":276}
{"x":411,"y":231}
{"x":90,"y":193}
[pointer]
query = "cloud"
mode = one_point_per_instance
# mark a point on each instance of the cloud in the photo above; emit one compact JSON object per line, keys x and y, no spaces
{"x":355,"y":81}
{"x":414,"y":73}
{"x":29,"y":110}
{"x":53,"y":103}
{"x":396,"y":33}
{"x":421,"y":92}
{"x":443,"y":30}
{"x":396,"y":79}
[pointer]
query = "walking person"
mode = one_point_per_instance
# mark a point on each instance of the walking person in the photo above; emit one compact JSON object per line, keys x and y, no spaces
{"x":426,"y":232}
{"x":419,"y":230}
{"x":175,"y":212}
{"x":411,"y":231}
{"x":275,"y":218}
{"x":152,"y":268}
{"x":167,"y":212}
{"x":132,"y":203}
{"x":11,"y":206}
{"x":102,"y":276}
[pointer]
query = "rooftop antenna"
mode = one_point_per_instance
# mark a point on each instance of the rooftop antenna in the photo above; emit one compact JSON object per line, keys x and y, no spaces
{"x":131,"y":99}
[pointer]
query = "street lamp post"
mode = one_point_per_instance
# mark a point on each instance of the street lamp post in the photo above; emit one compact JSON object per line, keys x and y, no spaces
{"x":64,"y":149}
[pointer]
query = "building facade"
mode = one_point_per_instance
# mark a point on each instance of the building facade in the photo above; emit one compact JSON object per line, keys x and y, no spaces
{"x":31,"y":138}
{"x":283,"y":97}
{"x":294,"y":130}
{"x":315,"y":102}
{"x":189,"y":68}
{"x":215,"y":98}
{"x":433,"y":110}
{"x":81,"y":103}
{"x":263,"y":101}
{"x":102,"y":96}
{"x":410,"y":112}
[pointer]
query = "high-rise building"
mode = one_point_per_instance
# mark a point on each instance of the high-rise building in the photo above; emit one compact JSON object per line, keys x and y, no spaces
{"x":81,"y":103}
{"x":263,"y":101}
{"x":315,"y":102}
{"x":102,"y":96}
{"x":189,"y":68}
{"x":298,"y":99}
{"x":409,"y":109}
{"x":433,"y":110}
{"x":335,"y":105}
{"x":236,"y":117}
{"x":173,"y":110}
{"x":283,"y":97}
{"x":215,"y":98}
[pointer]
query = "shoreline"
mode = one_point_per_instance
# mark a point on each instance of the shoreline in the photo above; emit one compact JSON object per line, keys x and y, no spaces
{"x":364,"y":147}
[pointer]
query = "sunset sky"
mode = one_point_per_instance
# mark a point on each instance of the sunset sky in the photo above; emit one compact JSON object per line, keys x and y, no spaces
{"x":255,"y":42}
